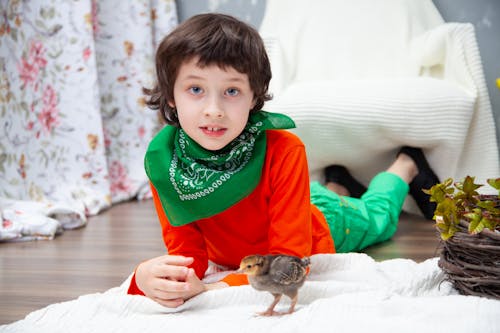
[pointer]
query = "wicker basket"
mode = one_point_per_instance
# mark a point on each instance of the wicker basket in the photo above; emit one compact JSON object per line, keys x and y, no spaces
{"x":472,"y":262}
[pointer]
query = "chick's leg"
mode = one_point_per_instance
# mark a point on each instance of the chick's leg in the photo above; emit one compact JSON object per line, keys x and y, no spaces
{"x":294,"y":299}
{"x":270,"y":310}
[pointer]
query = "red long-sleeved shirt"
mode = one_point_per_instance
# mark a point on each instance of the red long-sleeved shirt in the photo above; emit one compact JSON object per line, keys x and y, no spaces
{"x":277,"y":217}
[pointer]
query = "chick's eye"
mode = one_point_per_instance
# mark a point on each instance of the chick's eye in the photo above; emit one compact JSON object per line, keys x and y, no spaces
{"x":195,"y":90}
{"x":232,"y":92}
{"x":249,"y":266}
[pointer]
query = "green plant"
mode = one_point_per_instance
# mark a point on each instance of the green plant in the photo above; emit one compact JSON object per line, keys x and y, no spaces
{"x":460,"y":201}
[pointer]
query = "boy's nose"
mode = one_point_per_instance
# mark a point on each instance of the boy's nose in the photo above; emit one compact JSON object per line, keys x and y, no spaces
{"x":214,"y":109}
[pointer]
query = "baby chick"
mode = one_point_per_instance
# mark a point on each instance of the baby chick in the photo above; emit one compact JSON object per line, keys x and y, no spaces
{"x":277,"y":274}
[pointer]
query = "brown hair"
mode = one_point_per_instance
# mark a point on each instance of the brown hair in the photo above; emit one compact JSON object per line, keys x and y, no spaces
{"x":215,"y":39}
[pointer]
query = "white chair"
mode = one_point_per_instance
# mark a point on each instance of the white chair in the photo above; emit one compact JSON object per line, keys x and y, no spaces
{"x":362,"y":78}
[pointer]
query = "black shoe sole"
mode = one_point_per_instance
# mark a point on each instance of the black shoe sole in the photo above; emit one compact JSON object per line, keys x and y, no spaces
{"x":340,"y":175}
{"x":425,"y":179}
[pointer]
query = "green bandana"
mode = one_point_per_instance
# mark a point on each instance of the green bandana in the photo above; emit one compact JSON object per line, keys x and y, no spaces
{"x":195,"y":183}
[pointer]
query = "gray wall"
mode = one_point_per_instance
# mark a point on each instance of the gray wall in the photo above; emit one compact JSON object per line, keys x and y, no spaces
{"x":483,"y":14}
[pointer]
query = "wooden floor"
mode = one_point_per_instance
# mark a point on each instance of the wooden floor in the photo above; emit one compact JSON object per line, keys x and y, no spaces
{"x":103,"y":254}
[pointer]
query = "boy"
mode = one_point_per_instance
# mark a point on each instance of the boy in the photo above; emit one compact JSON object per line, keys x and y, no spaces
{"x":228,"y":181}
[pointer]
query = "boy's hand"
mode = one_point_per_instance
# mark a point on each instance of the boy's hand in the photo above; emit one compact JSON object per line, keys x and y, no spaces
{"x":168,"y":280}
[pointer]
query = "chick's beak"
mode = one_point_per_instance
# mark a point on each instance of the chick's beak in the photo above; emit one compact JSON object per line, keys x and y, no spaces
{"x":241,"y":270}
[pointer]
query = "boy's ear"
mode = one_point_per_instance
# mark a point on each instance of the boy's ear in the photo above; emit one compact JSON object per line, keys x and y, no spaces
{"x":171,"y":104}
{"x":253,"y":103}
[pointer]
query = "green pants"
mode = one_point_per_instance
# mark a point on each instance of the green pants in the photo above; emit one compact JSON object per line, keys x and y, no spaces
{"x":357,"y":223}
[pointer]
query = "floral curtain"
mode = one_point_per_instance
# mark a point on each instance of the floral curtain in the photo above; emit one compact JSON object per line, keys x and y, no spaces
{"x":74,"y":125}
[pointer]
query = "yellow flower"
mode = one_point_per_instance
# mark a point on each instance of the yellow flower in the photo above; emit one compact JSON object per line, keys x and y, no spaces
{"x":22,"y":169}
{"x":141,"y":101}
{"x":88,"y":19}
{"x":129,"y":47}
{"x":92,"y":140}
{"x":35,"y":192}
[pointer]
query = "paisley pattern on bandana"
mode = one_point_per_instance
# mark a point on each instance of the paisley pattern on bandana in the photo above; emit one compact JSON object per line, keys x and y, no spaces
{"x":195,"y":178}
{"x":200,"y":183}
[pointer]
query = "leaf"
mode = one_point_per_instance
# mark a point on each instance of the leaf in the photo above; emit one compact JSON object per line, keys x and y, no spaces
{"x":55,"y":29}
{"x":487,"y":205}
{"x":495,"y":183}
{"x":437,"y":192}
{"x":460,"y":196}
{"x":469,"y":187}
{"x":3,"y":160}
{"x":448,"y":233}
{"x":40,"y":24}
{"x":487,"y":223}
{"x":24,"y":106}
{"x":448,"y":182}
{"x":446,"y":208}
{"x":459,"y":200}
{"x":43,"y":13}
{"x":475,"y":218}
{"x":477,"y":228}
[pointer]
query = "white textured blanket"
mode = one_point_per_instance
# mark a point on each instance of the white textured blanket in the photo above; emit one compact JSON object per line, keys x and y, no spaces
{"x":343,"y":293}
{"x":362,"y":123}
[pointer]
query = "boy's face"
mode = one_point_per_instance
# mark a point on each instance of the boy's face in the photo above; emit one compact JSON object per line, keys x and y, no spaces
{"x":212,"y":103}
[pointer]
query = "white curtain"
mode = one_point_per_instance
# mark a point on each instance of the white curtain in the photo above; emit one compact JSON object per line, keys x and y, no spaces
{"x":74,"y":126}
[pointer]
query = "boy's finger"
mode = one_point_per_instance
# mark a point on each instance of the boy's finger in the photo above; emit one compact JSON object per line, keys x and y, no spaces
{"x":171,"y":272}
{"x":191,"y":276}
{"x":177,"y":260}
{"x":169,"y":303}
{"x":170,"y":287}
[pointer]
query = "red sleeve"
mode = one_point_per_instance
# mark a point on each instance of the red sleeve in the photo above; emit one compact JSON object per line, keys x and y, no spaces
{"x":290,"y":229}
{"x":133,"y":289}
{"x":186,"y":240}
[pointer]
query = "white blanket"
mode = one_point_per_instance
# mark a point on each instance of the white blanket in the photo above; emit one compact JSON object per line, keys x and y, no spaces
{"x":343,"y":293}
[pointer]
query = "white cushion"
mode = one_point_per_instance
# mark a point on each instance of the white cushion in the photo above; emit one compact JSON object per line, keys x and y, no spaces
{"x":340,"y":39}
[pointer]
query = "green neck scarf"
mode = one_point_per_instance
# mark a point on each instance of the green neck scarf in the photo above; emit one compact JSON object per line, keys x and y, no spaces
{"x":195,"y":183}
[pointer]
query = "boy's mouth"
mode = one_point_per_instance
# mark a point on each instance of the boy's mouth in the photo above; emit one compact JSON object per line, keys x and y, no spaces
{"x":213,"y":130}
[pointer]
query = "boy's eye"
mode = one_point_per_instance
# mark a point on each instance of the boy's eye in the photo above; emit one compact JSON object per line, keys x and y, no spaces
{"x":196,"y":90}
{"x":232,"y":92}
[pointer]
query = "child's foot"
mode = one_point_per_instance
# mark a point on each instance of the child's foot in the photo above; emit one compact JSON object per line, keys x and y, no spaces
{"x":338,"y":174}
{"x":425,"y":179}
